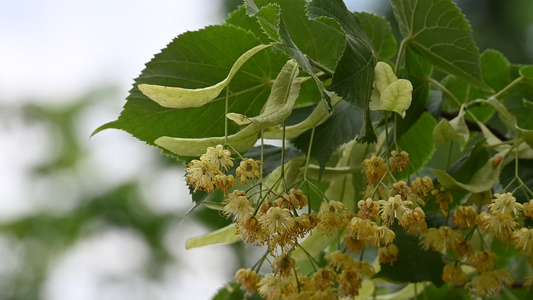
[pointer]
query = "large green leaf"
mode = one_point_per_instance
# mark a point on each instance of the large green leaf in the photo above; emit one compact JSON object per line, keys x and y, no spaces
{"x":196,"y":60}
{"x":354,"y":73}
{"x":438,"y":31}
{"x":413,"y":264}
{"x":418,"y":72}
{"x":379,"y":32}
{"x":341,"y":127}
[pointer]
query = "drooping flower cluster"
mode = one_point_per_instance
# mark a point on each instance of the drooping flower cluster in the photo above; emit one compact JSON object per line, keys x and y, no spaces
{"x":210,"y":170}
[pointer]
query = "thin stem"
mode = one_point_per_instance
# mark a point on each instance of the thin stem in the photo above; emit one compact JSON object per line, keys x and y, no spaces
{"x":259,"y":263}
{"x":508,"y":87}
{"x":394,"y":133}
{"x":403,"y":46}
{"x":311,"y":258}
{"x":309,"y":152}
{"x":261,"y":165}
{"x":416,"y":291}
{"x":321,"y":67}
{"x":449,"y":156}
{"x":225,"y":117}
{"x":283,"y":157}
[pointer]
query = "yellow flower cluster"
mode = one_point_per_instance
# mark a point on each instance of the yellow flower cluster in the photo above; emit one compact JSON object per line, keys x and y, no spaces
{"x":211,"y":170}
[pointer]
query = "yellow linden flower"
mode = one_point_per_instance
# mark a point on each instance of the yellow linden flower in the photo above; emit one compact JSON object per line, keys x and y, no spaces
{"x":250,"y":231}
{"x":353,"y":244}
{"x":361,"y":229}
{"x":422,"y":186}
{"x":398,"y":161}
{"x":368,"y":209}
{"x":383,"y":236}
{"x":528,"y":209}
{"x":444,"y":199}
{"x":528,"y":281}
{"x":219,"y":157}
{"x":331,"y":216}
{"x":248,"y":168}
{"x":374,"y":169}
{"x":338,"y":259}
{"x":505,"y":204}
{"x":276,"y":220}
{"x":463,"y":249}
{"x":453,"y":274}
{"x":500,"y":225}
{"x":224,"y":182}
{"x":395,"y":207}
{"x":464,"y":217}
{"x":248,"y":279}
{"x":324,"y":279}
{"x":523,"y":240}
{"x":200,"y":174}
{"x":490,"y":283}
{"x":284,"y":265}
{"x":400,"y":188}
{"x":238,"y":205}
{"x":272,"y":286}
{"x":484,"y":260}
{"x":349,"y":283}
{"x":388,"y":255}
{"x":439,"y":239}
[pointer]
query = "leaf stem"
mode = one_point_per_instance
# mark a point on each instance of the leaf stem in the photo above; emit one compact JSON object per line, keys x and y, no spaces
{"x":321,"y":67}
{"x":507,"y":87}
{"x":309,"y":152}
{"x":401,"y":51}
{"x":226,"y":118}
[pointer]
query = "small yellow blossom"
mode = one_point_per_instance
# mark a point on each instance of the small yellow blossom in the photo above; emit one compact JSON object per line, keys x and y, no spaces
{"x":248,"y":168}
{"x":361,"y":229}
{"x":505,"y":204}
{"x":489,"y":283}
{"x":388,"y":255}
{"x":219,"y":157}
{"x":528,"y":281}
{"x":484,"y":260}
{"x":324,"y":279}
{"x":422,"y":186}
{"x":349,"y":283}
{"x":368,"y":209}
{"x":528,"y":209}
{"x":272,"y":286}
{"x":331,"y":216}
{"x":395,"y":207}
{"x":374,"y":169}
{"x":200,"y":174}
{"x":400,"y":188}
{"x":353,"y":244}
{"x":463,"y":249}
{"x":283,"y":265}
{"x":464,"y":217}
{"x":383,"y":236}
{"x":500,"y":225}
{"x":444,"y":199}
{"x":453,"y":274}
{"x":224,"y":182}
{"x":250,"y":231}
{"x":338,"y":259}
{"x":439,"y":239}
{"x":523,"y":240}
{"x":398,"y":161}
{"x":276,"y":220}
{"x":248,"y":279}
{"x":238,"y":205}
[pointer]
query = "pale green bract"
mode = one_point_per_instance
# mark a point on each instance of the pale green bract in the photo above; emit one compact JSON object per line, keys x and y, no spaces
{"x":454,"y":130}
{"x":176,"y":97}
{"x":390,"y":93}
{"x":278,"y":107}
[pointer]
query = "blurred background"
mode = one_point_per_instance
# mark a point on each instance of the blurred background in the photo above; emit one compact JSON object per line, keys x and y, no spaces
{"x":86,"y":218}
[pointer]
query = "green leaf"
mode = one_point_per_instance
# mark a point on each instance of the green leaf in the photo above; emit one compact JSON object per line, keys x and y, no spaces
{"x":483,"y":180}
{"x":274,"y":25}
{"x":277,"y":108}
{"x":396,"y":97}
{"x":379,"y":32}
{"x":526,"y":72}
{"x":413,"y":264}
{"x":233,"y":291}
{"x":438,"y":31}
{"x":176,"y":97}
{"x":418,"y":72}
{"x":454,"y":130}
{"x":196,"y":60}
{"x":225,"y":235}
{"x":340,"y":128}
{"x":418,"y":142}
{"x":354,"y":73}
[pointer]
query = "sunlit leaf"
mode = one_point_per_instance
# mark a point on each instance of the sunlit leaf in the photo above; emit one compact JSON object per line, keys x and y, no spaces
{"x":226,"y":235}
{"x":439,"y":32}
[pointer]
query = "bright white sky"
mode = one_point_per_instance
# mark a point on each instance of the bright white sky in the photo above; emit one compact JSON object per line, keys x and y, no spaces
{"x":57,"y":50}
